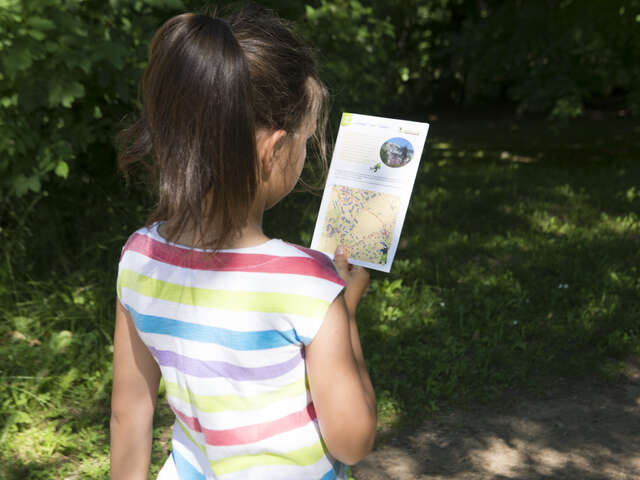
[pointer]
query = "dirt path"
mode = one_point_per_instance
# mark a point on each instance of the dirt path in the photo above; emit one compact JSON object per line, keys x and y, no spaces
{"x":582,"y":432}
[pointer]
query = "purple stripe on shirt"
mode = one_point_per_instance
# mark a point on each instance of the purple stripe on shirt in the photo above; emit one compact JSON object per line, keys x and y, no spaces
{"x":212,"y":368}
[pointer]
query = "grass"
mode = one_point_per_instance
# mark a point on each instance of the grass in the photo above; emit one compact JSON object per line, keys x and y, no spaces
{"x":518,"y":266}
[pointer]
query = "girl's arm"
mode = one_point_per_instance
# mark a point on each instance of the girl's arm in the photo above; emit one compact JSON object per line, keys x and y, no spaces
{"x":341,"y":390}
{"x":136,"y":377}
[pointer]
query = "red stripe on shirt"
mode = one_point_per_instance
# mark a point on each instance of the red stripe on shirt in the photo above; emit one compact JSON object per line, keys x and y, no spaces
{"x":250,"y":433}
{"x":318,"y":266}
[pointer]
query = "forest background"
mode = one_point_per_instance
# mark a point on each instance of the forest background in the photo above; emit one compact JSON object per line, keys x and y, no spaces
{"x":519,"y":259}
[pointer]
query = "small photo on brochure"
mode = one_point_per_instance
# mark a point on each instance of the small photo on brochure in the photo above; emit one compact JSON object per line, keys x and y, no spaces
{"x":396,"y":152}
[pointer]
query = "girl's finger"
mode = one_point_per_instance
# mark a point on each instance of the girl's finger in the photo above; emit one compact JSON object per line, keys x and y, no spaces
{"x":342,"y":263}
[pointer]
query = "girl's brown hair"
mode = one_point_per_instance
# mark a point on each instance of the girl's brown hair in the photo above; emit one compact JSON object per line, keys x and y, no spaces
{"x":209,"y":86}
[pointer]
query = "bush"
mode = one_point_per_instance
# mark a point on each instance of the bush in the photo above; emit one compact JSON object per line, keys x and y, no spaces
{"x":550,"y":56}
{"x":69,"y":74}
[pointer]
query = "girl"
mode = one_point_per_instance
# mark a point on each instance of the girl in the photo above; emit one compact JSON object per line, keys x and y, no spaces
{"x":255,"y":338}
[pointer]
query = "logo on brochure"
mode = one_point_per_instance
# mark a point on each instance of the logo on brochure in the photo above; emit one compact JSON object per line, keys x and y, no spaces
{"x":396,"y":152}
{"x":346,"y":119}
{"x":407,"y":131}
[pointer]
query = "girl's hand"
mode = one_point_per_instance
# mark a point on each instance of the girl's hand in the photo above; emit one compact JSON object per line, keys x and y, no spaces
{"x":356,"y":277}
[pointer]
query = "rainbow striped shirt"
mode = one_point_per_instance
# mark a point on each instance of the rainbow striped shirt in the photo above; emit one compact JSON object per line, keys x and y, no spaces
{"x":228,"y":332}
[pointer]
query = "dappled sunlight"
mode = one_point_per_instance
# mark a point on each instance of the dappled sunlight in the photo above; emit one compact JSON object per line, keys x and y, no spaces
{"x":525,"y":457}
{"x":547,"y":223}
{"x":621,"y":225}
{"x":513,"y":157}
{"x":497,"y":458}
{"x":44,"y":444}
{"x":547,"y":460}
{"x":576,"y":432}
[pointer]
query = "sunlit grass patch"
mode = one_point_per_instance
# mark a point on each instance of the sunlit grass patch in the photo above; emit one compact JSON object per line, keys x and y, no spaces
{"x":622,"y":225}
{"x":48,"y":443}
{"x":55,"y":379}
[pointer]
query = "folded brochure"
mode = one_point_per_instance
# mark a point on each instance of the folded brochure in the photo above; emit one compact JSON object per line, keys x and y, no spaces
{"x":365,"y":200}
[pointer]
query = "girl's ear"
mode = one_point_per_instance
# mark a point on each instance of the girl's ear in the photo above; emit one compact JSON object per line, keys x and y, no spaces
{"x":267,"y":144}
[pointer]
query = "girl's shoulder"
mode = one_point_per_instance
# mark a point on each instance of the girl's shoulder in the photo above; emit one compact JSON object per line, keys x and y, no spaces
{"x":311,"y":262}
{"x":141,"y":237}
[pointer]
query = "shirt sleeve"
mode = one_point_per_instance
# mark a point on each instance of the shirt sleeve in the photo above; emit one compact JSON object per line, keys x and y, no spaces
{"x":121,"y":266}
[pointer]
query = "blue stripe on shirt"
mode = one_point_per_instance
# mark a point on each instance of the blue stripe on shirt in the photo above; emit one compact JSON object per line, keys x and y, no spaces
{"x":186,"y":471}
{"x":252,"y":340}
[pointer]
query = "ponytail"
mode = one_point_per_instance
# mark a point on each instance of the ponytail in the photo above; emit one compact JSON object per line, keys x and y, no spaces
{"x":198,"y":126}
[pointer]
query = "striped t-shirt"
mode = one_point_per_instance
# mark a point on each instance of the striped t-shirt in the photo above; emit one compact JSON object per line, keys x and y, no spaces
{"x":228,"y":332}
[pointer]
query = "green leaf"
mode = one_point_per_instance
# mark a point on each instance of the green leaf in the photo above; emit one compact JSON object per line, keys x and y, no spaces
{"x":65,"y":94}
{"x":37,"y":34}
{"x":113,"y":52}
{"x":22,"y":417}
{"x":310,"y":12}
{"x":11,"y":101}
{"x":40,"y":23}
{"x":61,"y":340}
{"x":22,"y":184}
{"x":62,"y":169}
{"x":68,"y":378}
{"x":404,"y":74}
{"x":17,"y":60}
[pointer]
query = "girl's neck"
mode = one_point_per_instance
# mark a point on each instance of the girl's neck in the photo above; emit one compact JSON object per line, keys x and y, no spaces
{"x":250,"y":235}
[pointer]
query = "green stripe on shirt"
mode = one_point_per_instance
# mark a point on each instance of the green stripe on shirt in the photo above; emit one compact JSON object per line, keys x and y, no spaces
{"x":300,"y":457}
{"x":220,"y":403}
{"x":268,"y":302}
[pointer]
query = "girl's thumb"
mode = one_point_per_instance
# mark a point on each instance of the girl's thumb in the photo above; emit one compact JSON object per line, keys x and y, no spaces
{"x":341,"y":261}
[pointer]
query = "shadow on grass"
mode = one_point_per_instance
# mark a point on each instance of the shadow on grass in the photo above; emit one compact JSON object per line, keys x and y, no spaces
{"x":577,"y":431}
{"x":16,"y":469}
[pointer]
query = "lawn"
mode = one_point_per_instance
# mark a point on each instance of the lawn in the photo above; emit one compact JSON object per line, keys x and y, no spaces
{"x":518,"y":266}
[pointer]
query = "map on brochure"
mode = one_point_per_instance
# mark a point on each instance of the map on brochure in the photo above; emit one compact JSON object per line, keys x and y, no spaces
{"x":365,"y":200}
